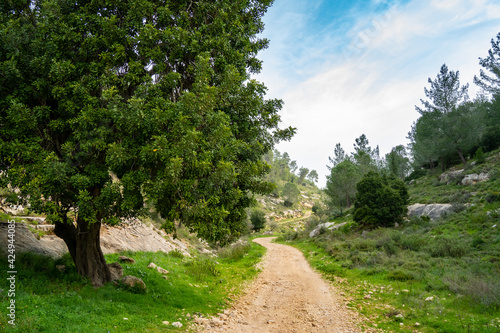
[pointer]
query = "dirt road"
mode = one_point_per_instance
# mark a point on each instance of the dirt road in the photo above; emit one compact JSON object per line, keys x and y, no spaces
{"x":288,"y":296}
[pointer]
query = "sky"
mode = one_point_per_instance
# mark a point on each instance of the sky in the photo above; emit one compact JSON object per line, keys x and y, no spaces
{"x":349,"y":67}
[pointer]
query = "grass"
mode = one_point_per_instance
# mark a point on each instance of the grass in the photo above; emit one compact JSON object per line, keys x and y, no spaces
{"x":48,"y":300}
{"x":408,"y":292}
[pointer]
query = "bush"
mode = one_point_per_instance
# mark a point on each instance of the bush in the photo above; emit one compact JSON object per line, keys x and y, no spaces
{"x":400,"y":275}
{"x":380,"y":201}
{"x":287,"y":203}
{"x":201,"y":267}
{"x":258,"y":219}
{"x":479,"y":156}
{"x":234,"y":251}
{"x":447,"y":246}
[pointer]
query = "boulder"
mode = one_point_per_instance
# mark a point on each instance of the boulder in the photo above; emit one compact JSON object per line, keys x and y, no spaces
{"x":328,"y":225}
{"x":26,"y":241}
{"x":126,"y":260}
{"x":133,"y":282}
{"x":433,"y":211}
{"x":116,"y":271}
{"x":451,"y":176}
{"x":475,"y":178}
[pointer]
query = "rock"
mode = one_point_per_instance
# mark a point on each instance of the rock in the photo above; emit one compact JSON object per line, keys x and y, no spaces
{"x":328,"y":225}
{"x":61,"y":268}
{"x":165,"y":322}
{"x":429,"y":299}
{"x":475,"y":178}
{"x":152,"y":265}
{"x":216,"y":322}
{"x":45,"y":227}
{"x":27,"y":242}
{"x":161,"y":270}
{"x":126,"y":260}
{"x":116,"y":271}
{"x":133,"y":282}
{"x":452,"y":177}
{"x":177,"y":324}
{"x":131,"y":236}
{"x":434,"y":211}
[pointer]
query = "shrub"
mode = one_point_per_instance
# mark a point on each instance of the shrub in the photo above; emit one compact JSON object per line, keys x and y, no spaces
{"x":258,"y":219}
{"x":446,"y":246}
{"x":287,"y":203}
{"x":380,"y":201}
{"x":235,"y":251}
{"x":200,"y":267}
{"x":176,"y":254}
{"x":400,"y":275}
{"x":479,"y":156}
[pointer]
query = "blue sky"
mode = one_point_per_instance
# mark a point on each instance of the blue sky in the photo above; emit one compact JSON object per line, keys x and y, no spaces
{"x":346,"y":68}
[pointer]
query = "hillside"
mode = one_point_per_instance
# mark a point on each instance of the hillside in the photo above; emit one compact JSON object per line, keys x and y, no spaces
{"x":433,"y":272}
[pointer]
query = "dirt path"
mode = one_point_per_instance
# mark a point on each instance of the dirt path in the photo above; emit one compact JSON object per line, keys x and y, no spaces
{"x":288,"y":296}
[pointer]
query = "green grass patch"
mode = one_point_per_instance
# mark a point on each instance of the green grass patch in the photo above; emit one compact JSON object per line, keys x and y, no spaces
{"x":48,"y":300}
{"x":410,"y":280}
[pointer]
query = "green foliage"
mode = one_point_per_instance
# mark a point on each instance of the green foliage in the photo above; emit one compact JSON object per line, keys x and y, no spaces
{"x":398,"y":162}
{"x":291,"y":193}
{"x":234,"y":251}
{"x":201,"y":266}
{"x":313,"y":176}
{"x":449,"y":246}
{"x":341,"y":183}
{"x":258,"y":219}
{"x":104,"y":106}
{"x":380,"y":201}
{"x":303,"y":172}
{"x":479,"y":156}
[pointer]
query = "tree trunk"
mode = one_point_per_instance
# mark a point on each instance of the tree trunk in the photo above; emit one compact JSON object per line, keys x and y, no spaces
{"x":84,"y":246}
{"x":348,"y":203}
{"x":462,"y":158}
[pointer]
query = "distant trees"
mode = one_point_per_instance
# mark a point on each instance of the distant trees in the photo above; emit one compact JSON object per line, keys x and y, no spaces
{"x":313,"y":176}
{"x":341,"y":183}
{"x":398,"y":162}
{"x":290,"y":194}
{"x":346,"y":171}
{"x":303,"y":172}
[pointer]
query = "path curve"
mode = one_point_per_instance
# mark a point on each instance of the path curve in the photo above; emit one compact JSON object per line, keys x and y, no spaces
{"x":287,"y":296}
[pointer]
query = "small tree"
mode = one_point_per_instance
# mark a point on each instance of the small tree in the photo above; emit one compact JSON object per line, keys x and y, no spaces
{"x":258,"y":219}
{"x":380,"y":201}
{"x":290,"y":193}
{"x":313,"y":176}
{"x":303,"y":172}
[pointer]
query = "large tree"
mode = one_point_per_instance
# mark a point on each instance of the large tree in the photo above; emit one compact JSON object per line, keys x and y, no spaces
{"x":445,"y":92}
{"x":434,"y":135}
{"x":106,"y":105}
{"x":490,"y":81}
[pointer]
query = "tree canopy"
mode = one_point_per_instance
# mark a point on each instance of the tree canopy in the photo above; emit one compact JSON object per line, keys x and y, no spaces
{"x":106,"y":106}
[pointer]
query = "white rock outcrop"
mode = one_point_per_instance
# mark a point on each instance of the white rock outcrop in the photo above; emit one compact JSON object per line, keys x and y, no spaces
{"x":434,"y":211}
{"x":328,"y":225}
{"x":475,"y":178}
{"x":133,"y":237}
